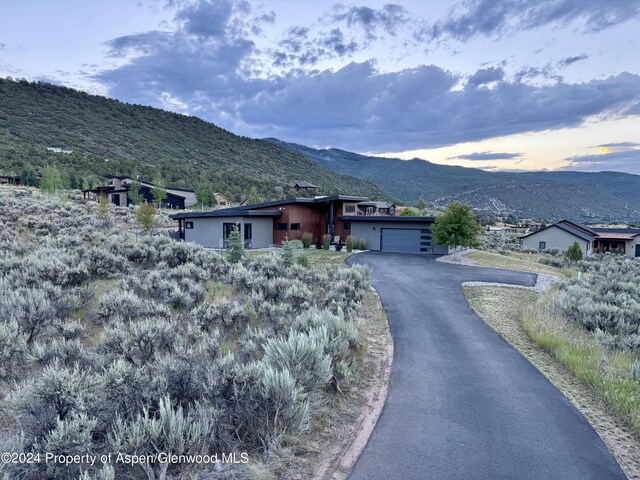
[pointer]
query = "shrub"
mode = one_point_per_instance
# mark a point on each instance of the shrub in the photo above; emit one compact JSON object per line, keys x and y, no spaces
{"x":146,"y":216}
{"x":326,"y":242}
{"x":307,"y":239}
{"x":362,"y":244}
{"x":350,"y":242}
{"x":302,"y":354}
{"x":635,"y":370}
{"x":303,"y":260}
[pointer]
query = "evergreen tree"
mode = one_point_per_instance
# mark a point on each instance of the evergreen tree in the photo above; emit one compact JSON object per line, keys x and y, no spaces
{"x":236,"y":248}
{"x":574,"y":252}
{"x":51,"y":180}
{"x":420,"y":204}
{"x":287,"y":253}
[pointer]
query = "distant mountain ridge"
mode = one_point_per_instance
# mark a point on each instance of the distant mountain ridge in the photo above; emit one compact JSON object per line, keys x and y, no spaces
{"x":108,"y":136}
{"x":585,"y":197}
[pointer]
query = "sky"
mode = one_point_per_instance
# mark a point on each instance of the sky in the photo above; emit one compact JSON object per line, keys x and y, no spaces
{"x":502,"y":85}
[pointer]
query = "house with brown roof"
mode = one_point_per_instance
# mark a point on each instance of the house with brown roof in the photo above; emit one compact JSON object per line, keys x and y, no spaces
{"x":591,"y":240}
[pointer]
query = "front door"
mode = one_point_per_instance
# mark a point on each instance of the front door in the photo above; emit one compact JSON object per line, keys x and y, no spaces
{"x":637,"y":250}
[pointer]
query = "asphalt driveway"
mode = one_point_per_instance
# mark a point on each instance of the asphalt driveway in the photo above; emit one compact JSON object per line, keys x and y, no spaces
{"x":462,"y":403}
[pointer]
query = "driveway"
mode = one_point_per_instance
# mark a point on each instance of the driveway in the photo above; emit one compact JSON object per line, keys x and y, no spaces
{"x":462,"y":403}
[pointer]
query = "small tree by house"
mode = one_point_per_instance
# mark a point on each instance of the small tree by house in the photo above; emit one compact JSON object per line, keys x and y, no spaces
{"x":287,"y":253}
{"x":146,"y":216}
{"x":204,"y":195}
{"x":574,"y":252}
{"x":51,"y":180}
{"x":158,"y":191}
{"x":134,"y":193}
{"x":456,"y":227}
{"x":236,"y":248}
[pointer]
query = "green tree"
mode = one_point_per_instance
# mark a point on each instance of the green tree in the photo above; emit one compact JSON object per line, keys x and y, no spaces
{"x":103,"y":209}
{"x":51,"y":180}
{"x":456,"y":227}
{"x":574,"y":252}
{"x":158,"y":191}
{"x":204,"y":195}
{"x":236,"y":248}
{"x":408,"y":212}
{"x":287,"y":253}
{"x":28,"y":176}
{"x":134,"y":193}
{"x":253,"y":196}
{"x":146,"y":216}
{"x":421,"y":204}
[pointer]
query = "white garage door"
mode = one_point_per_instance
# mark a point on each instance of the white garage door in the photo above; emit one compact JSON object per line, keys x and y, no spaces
{"x":406,"y":240}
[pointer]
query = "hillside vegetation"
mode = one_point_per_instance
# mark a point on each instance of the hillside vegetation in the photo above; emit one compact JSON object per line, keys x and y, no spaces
{"x":603,"y":196}
{"x":114,"y":344}
{"x":108,"y":136}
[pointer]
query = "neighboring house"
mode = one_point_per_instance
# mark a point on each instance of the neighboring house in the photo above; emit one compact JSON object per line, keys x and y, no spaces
{"x":119,"y":186}
{"x":270,"y":223}
{"x":222,"y":200}
{"x":302,"y":185}
{"x":591,"y":240}
{"x":9,"y":180}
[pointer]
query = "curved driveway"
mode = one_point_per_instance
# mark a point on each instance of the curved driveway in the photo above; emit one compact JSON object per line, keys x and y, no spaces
{"x":462,"y":403}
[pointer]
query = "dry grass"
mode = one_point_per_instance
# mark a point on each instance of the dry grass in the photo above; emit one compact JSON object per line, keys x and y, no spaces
{"x":514,"y":261}
{"x":569,"y":358}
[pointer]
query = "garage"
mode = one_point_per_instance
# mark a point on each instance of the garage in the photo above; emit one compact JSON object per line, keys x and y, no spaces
{"x":405,"y":240}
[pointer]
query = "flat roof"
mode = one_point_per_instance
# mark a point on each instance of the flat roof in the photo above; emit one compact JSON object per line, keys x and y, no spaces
{"x":382,"y":218}
{"x":315,"y":200}
{"x":228,"y":212}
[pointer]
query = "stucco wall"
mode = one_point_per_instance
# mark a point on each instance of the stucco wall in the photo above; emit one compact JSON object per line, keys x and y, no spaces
{"x":631,"y":247}
{"x":556,"y":238}
{"x":370,"y":232}
{"x":208,"y":232}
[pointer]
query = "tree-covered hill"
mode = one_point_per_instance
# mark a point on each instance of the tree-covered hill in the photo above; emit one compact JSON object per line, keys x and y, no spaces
{"x":587,"y":197}
{"x":108,"y":136}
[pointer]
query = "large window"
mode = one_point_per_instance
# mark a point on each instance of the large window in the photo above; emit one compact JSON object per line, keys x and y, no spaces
{"x":247,"y":231}
{"x":281,"y":226}
{"x":349,"y":209}
{"x":295,"y":226}
{"x":227,"y":228}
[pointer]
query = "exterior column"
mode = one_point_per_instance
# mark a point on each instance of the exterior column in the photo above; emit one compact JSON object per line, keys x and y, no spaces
{"x":331,"y":229}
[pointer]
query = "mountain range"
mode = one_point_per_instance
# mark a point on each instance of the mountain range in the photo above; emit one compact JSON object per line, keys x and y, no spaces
{"x":108,"y":136}
{"x":585,"y":197}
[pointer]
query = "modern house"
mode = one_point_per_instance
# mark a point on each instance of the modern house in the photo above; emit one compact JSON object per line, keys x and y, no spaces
{"x":120,"y":185}
{"x":10,"y":180}
{"x":591,"y":239}
{"x":270,"y":223}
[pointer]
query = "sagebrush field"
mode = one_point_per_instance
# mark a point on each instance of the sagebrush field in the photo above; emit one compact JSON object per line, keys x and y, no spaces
{"x":110,"y":342}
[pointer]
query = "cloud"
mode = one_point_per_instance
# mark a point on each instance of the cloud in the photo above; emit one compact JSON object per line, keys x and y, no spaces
{"x":495,"y":18}
{"x":485,"y":75}
{"x":387,"y":19}
{"x":297,"y":49}
{"x":620,"y":145}
{"x":625,"y":161}
{"x":3,"y":46}
{"x":482,"y":156}
{"x":566,"y":61}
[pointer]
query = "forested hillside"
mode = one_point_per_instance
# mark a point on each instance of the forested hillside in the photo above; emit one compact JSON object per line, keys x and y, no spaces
{"x":108,"y":136}
{"x":588,"y":197}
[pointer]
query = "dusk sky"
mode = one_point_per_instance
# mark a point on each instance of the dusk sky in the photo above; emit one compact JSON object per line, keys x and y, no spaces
{"x":494,"y":84}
